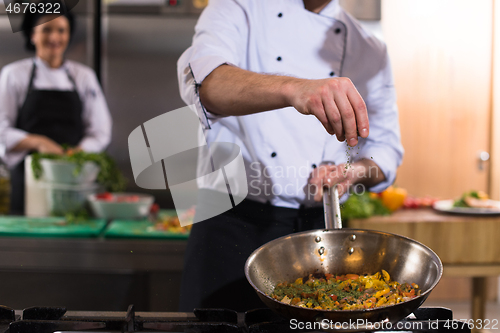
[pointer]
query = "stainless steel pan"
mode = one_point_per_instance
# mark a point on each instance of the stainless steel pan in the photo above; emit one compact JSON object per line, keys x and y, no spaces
{"x":342,"y":251}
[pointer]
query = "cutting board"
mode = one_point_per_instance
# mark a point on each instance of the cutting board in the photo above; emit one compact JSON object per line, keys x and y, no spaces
{"x":142,"y":229}
{"x":49,"y":227}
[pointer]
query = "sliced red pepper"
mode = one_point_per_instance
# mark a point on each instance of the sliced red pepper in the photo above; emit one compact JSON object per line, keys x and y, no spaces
{"x":106,"y":196}
{"x":154,"y":208}
{"x":409,"y":293}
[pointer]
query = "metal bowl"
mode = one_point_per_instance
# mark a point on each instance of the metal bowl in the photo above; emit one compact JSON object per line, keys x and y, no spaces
{"x":121,"y":210}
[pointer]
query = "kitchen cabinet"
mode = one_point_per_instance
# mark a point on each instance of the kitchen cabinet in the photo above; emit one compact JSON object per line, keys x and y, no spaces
{"x":445,"y":59}
{"x":442,"y":59}
{"x":467,"y":245}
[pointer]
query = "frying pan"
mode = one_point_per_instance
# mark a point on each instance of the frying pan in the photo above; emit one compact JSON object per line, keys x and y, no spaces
{"x":342,"y":251}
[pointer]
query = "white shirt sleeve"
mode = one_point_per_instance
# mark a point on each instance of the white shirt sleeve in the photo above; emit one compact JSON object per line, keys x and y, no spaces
{"x":221,"y":36}
{"x":383,"y":145}
{"x":9,"y":135}
{"x":96,"y":118}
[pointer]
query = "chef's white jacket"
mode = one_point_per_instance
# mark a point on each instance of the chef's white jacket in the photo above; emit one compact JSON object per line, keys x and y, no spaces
{"x":281,"y":147}
{"x":14,"y":81}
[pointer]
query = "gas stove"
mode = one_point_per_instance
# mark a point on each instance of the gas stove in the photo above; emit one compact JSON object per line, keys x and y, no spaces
{"x":55,"y":319}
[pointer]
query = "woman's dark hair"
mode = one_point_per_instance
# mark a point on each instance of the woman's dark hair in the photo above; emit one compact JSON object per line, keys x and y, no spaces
{"x":31,"y":19}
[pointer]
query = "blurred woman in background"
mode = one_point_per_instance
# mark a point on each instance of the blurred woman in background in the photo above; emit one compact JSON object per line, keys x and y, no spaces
{"x":48,"y":101}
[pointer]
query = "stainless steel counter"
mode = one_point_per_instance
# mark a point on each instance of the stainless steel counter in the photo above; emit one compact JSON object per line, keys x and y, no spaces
{"x":91,"y":254}
{"x":91,"y":274}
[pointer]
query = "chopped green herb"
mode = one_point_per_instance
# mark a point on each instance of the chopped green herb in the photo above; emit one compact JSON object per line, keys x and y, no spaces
{"x":109,"y":175}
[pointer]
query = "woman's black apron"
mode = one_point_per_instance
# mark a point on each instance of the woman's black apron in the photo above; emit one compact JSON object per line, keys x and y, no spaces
{"x":56,"y":114}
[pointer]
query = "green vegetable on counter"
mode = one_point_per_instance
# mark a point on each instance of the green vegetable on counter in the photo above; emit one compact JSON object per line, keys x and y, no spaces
{"x":362,"y":206}
{"x":79,"y":216}
{"x":110,"y":177}
{"x":472,"y":194}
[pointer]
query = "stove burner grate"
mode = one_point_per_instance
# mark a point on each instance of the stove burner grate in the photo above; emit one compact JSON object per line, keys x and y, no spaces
{"x":57,"y":319}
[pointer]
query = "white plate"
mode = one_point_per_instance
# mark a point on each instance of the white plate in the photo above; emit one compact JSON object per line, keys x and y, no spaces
{"x":446,"y":206}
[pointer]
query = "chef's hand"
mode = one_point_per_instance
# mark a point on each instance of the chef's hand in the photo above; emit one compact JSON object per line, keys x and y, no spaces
{"x":336,"y":103}
{"x":40,"y":143}
{"x":364,"y":172}
{"x":329,"y":175}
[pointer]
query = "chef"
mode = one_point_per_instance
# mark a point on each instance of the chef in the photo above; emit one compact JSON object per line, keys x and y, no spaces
{"x":302,"y":89}
{"x":47,"y":101}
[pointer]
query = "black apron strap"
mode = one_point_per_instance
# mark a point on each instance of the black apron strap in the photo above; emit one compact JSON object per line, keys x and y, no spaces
{"x":71,"y":79}
{"x":32,"y":77}
{"x":33,"y":74}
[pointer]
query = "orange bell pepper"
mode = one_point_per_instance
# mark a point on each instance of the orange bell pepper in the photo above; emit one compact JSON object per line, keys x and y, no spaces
{"x":393,"y":198}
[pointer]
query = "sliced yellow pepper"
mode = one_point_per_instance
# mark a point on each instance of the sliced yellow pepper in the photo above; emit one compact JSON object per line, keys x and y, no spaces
{"x":381,"y":301}
{"x":382,"y":292}
{"x":386,"y":276}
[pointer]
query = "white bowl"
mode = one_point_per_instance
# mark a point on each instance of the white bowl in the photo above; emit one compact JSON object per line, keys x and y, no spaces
{"x":63,"y":172}
{"x":121,"y":210}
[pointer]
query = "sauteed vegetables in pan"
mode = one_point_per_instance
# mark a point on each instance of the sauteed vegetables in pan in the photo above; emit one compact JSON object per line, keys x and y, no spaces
{"x":345,"y":292}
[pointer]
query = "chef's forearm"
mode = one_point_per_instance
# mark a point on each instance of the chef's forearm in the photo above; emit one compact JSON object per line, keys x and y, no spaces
{"x":335,"y":102}
{"x":231,"y":91}
{"x":368,"y":173}
{"x":30,"y":142}
{"x":40,"y":143}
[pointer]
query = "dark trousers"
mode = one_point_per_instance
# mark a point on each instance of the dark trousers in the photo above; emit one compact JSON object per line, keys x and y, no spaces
{"x":218,"y":248}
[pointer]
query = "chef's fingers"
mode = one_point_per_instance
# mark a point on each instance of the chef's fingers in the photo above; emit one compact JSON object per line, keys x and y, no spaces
{"x":321,"y":115}
{"x":361,"y":113}
{"x":318,"y":194}
{"x":48,"y":146}
{"x":317,"y":181}
{"x":334,"y":175}
{"x":348,"y":118}
{"x":318,"y":174}
{"x":333,"y":116}
{"x":343,"y":187}
{"x":327,"y":183}
{"x":53,"y":150}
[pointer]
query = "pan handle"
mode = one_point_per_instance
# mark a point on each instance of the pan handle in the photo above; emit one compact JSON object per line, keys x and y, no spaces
{"x":331,"y":206}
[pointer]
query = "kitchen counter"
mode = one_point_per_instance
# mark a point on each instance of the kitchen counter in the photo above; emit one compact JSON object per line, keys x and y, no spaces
{"x":91,"y":273}
{"x":90,"y":265}
{"x":91,"y":254}
{"x":467,"y":245}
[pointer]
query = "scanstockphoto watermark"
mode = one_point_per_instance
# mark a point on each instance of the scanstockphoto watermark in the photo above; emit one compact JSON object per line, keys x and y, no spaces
{"x":263,"y":179}
{"x":295,"y":188}
{"x":361,"y":324}
{"x":259,"y":171}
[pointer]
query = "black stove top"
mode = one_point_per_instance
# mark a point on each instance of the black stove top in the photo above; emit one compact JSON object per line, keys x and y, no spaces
{"x":54,"y":319}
